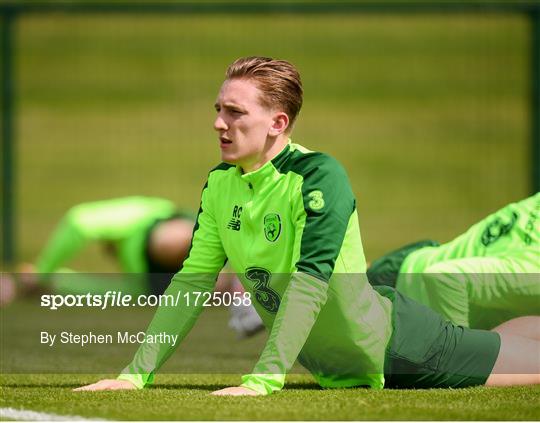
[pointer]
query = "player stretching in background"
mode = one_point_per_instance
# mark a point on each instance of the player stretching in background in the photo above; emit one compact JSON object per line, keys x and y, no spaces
{"x":486,"y":276}
{"x":148,"y":237}
{"x":286,"y":219}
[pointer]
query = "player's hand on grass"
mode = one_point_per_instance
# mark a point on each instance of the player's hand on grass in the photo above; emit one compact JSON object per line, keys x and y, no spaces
{"x":108,"y":385}
{"x":235,"y":391}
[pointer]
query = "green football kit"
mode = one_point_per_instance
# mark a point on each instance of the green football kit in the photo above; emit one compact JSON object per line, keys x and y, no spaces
{"x":486,"y":276}
{"x":125,"y":223}
{"x":290,"y":232}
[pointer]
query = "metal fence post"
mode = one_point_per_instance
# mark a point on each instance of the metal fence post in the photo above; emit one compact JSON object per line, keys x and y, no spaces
{"x":535,"y":99}
{"x":8,"y":159}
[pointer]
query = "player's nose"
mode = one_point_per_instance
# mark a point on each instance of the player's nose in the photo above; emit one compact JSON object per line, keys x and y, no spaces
{"x":219,"y":124}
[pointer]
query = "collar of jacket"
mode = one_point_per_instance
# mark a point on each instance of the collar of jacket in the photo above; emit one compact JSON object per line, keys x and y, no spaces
{"x":268,"y":170}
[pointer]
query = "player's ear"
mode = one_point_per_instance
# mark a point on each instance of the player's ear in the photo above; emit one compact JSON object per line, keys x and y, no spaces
{"x":280,"y":123}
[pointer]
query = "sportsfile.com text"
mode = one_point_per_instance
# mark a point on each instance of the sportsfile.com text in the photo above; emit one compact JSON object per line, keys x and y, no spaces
{"x":118,"y":299}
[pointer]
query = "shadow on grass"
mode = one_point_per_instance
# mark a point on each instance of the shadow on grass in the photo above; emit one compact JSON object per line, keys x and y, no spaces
{"x":41,"y":385}
{"x":196,"y":387}
{"x":168,"y":387}
{"x":215,"y":387}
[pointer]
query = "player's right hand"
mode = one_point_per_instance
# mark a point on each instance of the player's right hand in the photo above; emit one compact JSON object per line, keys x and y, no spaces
{"x":107,"y":385}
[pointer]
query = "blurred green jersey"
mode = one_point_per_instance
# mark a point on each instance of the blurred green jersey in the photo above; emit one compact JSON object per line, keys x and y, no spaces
{"x":486,"y":276}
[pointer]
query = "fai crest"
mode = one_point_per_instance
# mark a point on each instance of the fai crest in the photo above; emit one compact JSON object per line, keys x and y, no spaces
{"x":272,"y":226}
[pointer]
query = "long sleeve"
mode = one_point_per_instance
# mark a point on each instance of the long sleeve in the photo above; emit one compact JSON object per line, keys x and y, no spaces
{"x":69,"y":238}
{"x":205,"y":259}
{"x":323,"y":213}
{"x":174,"y":320}
{"x":297,"y":313}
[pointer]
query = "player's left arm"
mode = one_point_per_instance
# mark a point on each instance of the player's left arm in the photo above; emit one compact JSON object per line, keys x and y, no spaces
{"x":323,"y":212}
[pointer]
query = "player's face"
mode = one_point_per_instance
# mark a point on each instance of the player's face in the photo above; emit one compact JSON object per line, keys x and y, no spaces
{"x":243,"y":124}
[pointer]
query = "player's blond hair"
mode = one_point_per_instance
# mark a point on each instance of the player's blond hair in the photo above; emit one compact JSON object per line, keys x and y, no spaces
{"x":278,"y":80}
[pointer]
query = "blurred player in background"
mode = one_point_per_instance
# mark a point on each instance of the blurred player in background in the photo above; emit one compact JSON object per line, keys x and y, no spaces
{"x":148,"y":237}
{"x":486,"y":276}
{"x":286,"y":219}
{"x":143,"y":235}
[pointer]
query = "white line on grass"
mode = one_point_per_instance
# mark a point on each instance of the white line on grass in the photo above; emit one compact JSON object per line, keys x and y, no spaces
{"x":29,"y":415}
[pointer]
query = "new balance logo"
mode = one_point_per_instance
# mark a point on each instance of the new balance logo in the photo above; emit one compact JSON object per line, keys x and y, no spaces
{"x":235,"y":222}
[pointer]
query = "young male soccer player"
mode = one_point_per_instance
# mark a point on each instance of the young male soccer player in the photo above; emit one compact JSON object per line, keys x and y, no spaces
{"x":286,"y":220}
{"x":486,"y":276}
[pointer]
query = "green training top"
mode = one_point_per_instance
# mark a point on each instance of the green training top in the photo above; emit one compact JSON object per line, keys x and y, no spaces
{"x":485,"y":276}
{"x":122,"y":221}
{"x":290,"y":231}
